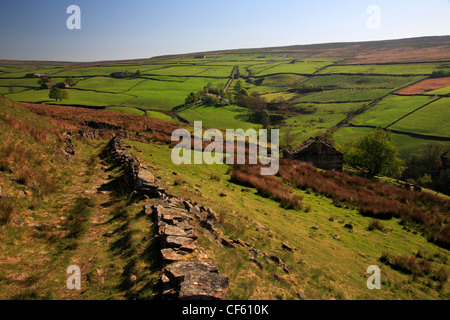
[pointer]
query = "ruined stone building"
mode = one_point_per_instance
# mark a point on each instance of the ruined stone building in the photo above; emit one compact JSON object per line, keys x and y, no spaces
{"x":321,"y":154}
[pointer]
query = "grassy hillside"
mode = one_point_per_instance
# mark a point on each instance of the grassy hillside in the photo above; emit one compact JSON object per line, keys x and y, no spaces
{"x":82,"y":216}
{"x":329,"y":262}
{"x":58,"y":210}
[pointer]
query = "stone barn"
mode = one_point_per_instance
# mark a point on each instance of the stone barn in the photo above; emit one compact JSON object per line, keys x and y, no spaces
{"x":321,"y":154}
{"x":61,"y":85}
{"x":47,"y":86}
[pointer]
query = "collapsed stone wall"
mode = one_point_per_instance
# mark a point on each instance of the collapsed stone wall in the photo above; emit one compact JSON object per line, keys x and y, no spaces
{"x":177,"y":230}
{"x":182,"y":277}
{"x":136,"y":176}
{"x":178,"y":224}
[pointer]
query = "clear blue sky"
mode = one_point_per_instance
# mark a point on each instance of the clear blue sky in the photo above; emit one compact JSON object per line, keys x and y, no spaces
{"x":120,"y":29}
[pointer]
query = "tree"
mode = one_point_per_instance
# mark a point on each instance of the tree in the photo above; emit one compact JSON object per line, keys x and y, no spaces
{"x":211,"y":99}
{"x":43,"y":80}
{"x":375,"y":153}
{"x":191,"y":99}
{"x":260,"y":117}
{"x":430,"y":157}
{"x":256,"y":102}
{"x":58,"y":94}
{"x":288,"y":139}
{"x":69,"y":81}
{"x":238,"y":86}
{"x":326,"y":136}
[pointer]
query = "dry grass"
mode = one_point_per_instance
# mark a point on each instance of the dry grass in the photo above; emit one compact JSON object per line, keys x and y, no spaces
{"x":267,"y":186}
{"x":7,"y":210}
{"x":416,"y":267}
{"x":423,"y":211}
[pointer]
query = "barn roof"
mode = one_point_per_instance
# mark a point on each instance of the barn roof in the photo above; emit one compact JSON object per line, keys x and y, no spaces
{"x":310,"y":142}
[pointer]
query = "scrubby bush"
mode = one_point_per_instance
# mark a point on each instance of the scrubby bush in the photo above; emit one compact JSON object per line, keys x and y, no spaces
{"x":376,"y":225}
{"x":441,"y":73}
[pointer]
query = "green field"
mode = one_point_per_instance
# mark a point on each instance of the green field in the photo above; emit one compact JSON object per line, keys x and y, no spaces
{"x":364,"y":82}
{"x":305,"y":126}
{"x":151,"y":114}
{"x":299,"y":67}
{"x":76,"y":97}
{"x":224,"y":117}
{"x":408,"y":146}
{"x":330,"y":108}
{"x":394,"y":69}
{"x":441,"y":91}
{"x":165,"y":95}
{"x":165,"y":84}
{"x":344,"y":95}
{"x":26,"y":82}
{"x":107,"y":84}
{"x":436,"y":113}
{"x":390,"y":109}
{"x":283,"y":80}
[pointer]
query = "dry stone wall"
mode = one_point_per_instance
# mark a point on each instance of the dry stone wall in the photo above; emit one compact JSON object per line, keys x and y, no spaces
{"x":136,"y":176}
{"x":177,"y":222}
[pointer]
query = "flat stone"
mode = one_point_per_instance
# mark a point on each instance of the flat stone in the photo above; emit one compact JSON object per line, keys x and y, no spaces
{"x":173,"y":255}
{"x":174,"y":231}
{"x":176,"y":272}
{"x":185,"y":225}
{"x":260,"y":226}
{"x":204,"y":286}
{"x":184,"y":243}
{"x":287,"y":247}
{"x":227,"y":243}
{"x":145,"y":177}
{"x":241,"y":243}
{"x":191,"y":234}
{"x":172,"y":216}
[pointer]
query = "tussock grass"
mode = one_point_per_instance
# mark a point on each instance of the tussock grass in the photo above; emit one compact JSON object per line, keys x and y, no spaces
{"x":376,"y":225}
{"x":268,"y":186}
{"x":416,"y":267}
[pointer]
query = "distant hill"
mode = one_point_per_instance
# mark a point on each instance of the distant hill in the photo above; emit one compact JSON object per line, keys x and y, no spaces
{"x":435,"y":48}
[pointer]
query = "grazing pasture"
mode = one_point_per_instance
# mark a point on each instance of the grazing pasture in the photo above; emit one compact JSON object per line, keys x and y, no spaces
{"x":343,"y":93}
